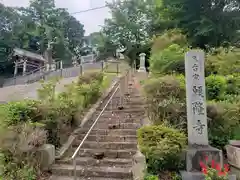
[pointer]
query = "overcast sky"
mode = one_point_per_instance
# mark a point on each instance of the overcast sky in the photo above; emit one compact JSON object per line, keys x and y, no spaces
{"x":91,"y":20}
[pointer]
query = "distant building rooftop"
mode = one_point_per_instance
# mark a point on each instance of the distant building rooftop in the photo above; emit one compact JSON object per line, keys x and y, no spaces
{"x":31,"y":55}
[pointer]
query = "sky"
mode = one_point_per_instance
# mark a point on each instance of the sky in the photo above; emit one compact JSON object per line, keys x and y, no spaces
{"x":92,"y":20}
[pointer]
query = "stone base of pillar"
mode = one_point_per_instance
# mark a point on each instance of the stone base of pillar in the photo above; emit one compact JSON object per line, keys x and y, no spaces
{"x":142,"y":69}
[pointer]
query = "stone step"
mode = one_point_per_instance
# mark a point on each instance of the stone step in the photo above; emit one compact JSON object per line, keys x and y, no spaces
{"x":113,"y":154}
{"x":118,"y":119}
{"x":115,"y":124}
{"x":106,"y":172}
{"x":106,"y":162}
{"x":106,"y":145}
{"x":125,"y":110}
{"x":116,"y":132}
{"x":102,"y":138}
{"x":126,"y":106}
{"x":123,"y":115}
{"x":54,"y":177}
{"x":133,"y":97}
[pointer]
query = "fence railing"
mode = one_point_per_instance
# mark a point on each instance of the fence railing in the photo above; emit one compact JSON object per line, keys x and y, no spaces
{"x":73,"y":71}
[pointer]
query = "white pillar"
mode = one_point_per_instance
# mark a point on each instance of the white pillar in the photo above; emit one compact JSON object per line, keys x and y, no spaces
{"x":15,"y":68}
{"x":53,"y":66}
{"x":142,"y":63}
{"x":61,"y":65}
{"x":24,"y":66}
{"x":47,"y":67}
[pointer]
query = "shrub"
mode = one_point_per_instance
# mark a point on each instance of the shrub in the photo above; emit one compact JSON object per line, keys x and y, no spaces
{"x":216,"y":86}
{"x":162,"y":147}
{"x":231,"y":98}
{"x":27,"y":125}
{"x":89,"y":77}
{"x":58,"y":113}
{"x":17,"y":112}
{"x":165,"y":98}
{"x":150,"y":177}
{"x":233,"y":84}
{"x":18,"y":150}
{"x":168,"y":38}
{"x":223,"y":62}
{"x":223,"y":118}
{"x":168,"y":60}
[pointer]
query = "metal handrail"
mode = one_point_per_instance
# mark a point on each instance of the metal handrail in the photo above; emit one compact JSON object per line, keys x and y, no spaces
{"x":89,"y":131}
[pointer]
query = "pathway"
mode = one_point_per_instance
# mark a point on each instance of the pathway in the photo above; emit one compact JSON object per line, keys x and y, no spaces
{"x":107,"y":152}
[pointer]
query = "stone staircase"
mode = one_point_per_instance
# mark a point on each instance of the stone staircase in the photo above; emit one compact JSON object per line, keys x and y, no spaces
{"x":107,"y":152}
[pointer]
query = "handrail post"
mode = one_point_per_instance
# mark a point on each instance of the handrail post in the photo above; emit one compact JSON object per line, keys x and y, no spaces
{"x":117,"y":68}
{"x":75,"y":168}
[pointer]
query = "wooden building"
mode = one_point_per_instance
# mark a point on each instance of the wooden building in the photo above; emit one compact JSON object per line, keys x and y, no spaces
{"x":27,"y":61}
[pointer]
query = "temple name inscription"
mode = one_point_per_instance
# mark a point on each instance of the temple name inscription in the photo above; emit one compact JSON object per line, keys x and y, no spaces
{"x":196,"y":98}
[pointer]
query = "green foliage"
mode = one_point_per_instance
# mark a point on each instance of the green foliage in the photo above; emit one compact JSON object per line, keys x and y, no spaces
{"x":223,"y":118}
{"x":223,"y":61}
{"x":150,"y":177}
{"x":28,"y":124}
{"x":33,"y":27}
{"x":223,"y":87}
{"x":162,"y":147}
{"x":169,"y":60}
{"x":16,"y":112}
{"x":203,"y":21}
{"x":233,"y":84}
{"x":59,"y":110}
{"x":89,"y":77}
{"x":47,"y":92}
{"x":216,"y":87}
{"x":167,"y":39}
{"x":165,"y":98}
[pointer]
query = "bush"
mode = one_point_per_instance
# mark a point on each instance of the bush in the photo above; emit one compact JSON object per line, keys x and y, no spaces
{"x":89,"y":77}
{"x":165,"y":98}
{"x":233,"y":84}
{"x":150,"y":177}
{"x":162,"y":147}
{"x":168,"y":60}
{"x":168,"y":38}
{"x":216,"y":86}
{"x":27,"y":125}
{"x":18,"y":150}
{"x":58,"y":112}
{"x":223,"y":118}
{"x":223,"y":62}
{"x":17,"y":112}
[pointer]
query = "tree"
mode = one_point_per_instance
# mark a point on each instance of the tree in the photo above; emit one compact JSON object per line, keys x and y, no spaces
{"x":33,"y":27}
{"x":129,"y":26}
{"x":206,"y":22}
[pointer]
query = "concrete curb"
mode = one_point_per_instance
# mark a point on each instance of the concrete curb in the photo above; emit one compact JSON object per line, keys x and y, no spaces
{"x":87,"y":117}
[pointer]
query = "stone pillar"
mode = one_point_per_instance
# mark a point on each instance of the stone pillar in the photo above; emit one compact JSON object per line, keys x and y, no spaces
{"x":198,"y":146}
{"x":24,"y":66}
{"x":47,"y":67}
{"x":53,"y":65}
{"x":196,"y":98}
{"x":15,"y":68}
{"x":74,"y":61}
{"x":142,"y":67}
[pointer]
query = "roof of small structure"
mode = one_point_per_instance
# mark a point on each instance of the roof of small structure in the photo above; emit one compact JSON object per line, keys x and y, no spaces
{"x":22,"y":52}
